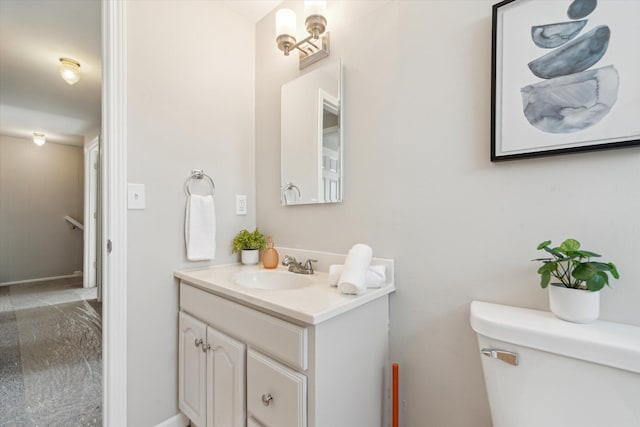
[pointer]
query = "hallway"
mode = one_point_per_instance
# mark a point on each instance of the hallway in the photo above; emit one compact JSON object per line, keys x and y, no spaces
{"x":50,"y":354}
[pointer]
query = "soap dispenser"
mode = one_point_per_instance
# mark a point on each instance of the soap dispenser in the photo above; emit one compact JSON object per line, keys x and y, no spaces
{"x":270,"y":255}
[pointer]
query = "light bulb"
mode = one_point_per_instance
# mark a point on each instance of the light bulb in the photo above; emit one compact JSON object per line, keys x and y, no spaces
{"x":285,"y":22}
{"x":315,"y":7}
{"x":39,"y":139}
{"x":70,"y":70}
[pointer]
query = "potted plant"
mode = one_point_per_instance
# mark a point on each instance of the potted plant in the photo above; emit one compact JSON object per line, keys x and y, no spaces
{"x":575,"y":297}
{"x":249,"y":245}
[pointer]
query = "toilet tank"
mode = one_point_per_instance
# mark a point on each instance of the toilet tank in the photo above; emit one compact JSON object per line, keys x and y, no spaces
{"x":567,"y":374}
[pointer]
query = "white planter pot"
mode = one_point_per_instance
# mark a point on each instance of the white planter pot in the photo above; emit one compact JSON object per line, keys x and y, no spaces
{"x":250,"y":256}
{"x":574,"y":305}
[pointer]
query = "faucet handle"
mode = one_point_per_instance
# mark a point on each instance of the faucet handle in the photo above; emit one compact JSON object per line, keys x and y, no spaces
{"x":288,"y":260}
{"x":308,"y":266}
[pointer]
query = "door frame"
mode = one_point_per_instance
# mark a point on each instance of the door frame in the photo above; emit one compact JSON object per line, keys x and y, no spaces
{"x":113,"y":199}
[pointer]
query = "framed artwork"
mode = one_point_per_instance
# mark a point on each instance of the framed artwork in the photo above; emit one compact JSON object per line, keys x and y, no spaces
{"x":565,"y":77}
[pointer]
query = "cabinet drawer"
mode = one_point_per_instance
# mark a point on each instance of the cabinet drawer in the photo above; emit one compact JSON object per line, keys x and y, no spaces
{"x":282,"y":340}
{"x":276,"y":395}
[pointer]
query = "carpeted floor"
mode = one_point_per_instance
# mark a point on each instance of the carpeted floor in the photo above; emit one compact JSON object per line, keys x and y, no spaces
{"x":50,"y":355}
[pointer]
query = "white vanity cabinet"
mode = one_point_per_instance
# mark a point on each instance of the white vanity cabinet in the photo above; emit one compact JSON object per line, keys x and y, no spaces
{"x":211,"y":375}
{"x":282,"y":371}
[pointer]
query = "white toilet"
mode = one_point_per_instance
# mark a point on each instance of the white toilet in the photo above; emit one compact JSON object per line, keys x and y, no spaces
{"x":541,"y":371}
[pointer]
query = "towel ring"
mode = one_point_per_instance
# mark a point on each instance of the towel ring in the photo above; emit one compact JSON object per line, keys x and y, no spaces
{"x":199,"y":174}
{"x":288,"y":186}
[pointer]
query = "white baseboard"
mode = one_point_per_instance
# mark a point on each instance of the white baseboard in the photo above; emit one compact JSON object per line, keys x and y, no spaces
{"x":40,"y":279}
{"x":178,"y":420}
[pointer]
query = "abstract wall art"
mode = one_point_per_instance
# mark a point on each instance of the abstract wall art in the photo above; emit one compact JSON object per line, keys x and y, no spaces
{"x":565,"y":77}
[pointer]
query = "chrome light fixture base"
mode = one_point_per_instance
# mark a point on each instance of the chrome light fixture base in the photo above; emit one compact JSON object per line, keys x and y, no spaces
{"x":314,"y":50}
{"x":285,"y":43}
{"x":316,"y":24}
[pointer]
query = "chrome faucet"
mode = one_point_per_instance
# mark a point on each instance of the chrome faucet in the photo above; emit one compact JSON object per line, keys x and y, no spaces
{"x":296,"y":267}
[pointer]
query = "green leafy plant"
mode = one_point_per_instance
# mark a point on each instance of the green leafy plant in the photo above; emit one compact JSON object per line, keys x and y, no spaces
{"x":247,"y":240}
{"x":573,"y":267}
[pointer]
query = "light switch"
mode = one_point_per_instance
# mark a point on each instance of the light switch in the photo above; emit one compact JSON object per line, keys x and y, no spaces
{"x":135,"y":196}
{"x":241,"y":204}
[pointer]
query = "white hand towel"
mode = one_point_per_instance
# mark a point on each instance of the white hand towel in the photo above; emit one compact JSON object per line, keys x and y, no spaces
{"x":354,"y":274}
{"x":200,"y":228}
{"x":376,"y":275}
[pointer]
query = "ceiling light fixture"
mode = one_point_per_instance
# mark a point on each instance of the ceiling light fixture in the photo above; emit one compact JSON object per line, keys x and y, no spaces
{"x":70,"y":70}
{"x":316,"y":45}
{"x":39,"y":139}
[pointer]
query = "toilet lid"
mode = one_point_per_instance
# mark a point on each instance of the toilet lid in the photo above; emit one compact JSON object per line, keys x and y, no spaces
{"x":607,"y":343}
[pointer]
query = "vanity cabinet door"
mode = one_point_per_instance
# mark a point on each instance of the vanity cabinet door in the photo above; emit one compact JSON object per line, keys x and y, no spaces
{"x":192,"y":359}
{"x":225,"y":380}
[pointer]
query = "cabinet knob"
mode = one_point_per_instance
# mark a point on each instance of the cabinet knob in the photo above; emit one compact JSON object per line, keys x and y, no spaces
{"x":206,"y":347}
{"x":198,"y":342}
{"x":266,"y":399}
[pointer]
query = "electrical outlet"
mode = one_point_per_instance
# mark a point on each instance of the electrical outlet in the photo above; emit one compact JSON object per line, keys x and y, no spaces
{"x":241,"y":204}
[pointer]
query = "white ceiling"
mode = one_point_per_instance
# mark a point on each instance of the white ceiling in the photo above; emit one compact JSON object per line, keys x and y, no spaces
{"x":34,"y":34}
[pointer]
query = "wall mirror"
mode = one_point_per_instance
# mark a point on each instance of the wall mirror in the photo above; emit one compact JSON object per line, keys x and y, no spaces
{"x":311,"y":148}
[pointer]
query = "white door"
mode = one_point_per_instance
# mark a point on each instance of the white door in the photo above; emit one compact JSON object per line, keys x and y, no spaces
{"x":192,"y":358}
{"x":91,"y":174}
{"x":225,"y":380}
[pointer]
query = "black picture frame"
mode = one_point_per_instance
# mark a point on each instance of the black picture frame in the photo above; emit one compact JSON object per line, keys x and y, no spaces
{"x":532,"y":121}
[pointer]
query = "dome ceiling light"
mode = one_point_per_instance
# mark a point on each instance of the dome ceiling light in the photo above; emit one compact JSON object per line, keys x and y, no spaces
{"x":70,"y":70}
{"x":39,"y":139}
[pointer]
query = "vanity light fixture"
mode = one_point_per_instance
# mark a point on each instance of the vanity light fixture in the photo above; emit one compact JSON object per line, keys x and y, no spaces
{"x":316,"y":45}
{"x":70,"y":70}
{"x":39,"y":139}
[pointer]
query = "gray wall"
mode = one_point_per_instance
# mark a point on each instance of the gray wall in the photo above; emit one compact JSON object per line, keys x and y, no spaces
{"x":190,"y":77}
{"x":38,"y":187}
{"x":419,"y":188}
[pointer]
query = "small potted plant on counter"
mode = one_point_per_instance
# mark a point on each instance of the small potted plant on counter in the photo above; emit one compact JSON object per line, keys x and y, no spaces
{"x":575,"y":297}
{"x":249,"y":245}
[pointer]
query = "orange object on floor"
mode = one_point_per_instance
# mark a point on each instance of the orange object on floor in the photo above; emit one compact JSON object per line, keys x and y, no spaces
{"x":395,"y":395}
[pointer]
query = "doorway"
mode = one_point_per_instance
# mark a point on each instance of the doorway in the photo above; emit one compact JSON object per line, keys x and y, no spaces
{"x":34,"y":98}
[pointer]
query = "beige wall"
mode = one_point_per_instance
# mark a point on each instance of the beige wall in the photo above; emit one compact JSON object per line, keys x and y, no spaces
{"x":38,"y":187}
{"x":419,"y":187}
{"x":190,"y":77}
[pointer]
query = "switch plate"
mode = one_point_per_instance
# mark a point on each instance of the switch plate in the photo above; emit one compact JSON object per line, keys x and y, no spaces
{"x":241,"y":204}
{"x":135,"y":196}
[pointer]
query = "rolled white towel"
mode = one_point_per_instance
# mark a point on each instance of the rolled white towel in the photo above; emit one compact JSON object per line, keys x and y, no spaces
{"x":376,"y":275}
{"x":354,"y":274}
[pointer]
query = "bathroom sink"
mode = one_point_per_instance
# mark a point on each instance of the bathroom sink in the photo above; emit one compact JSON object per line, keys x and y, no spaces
{"x":276,"y":280}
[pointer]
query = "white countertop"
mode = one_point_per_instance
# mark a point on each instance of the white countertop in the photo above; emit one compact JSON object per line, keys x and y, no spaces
{"x":311,"y":304}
